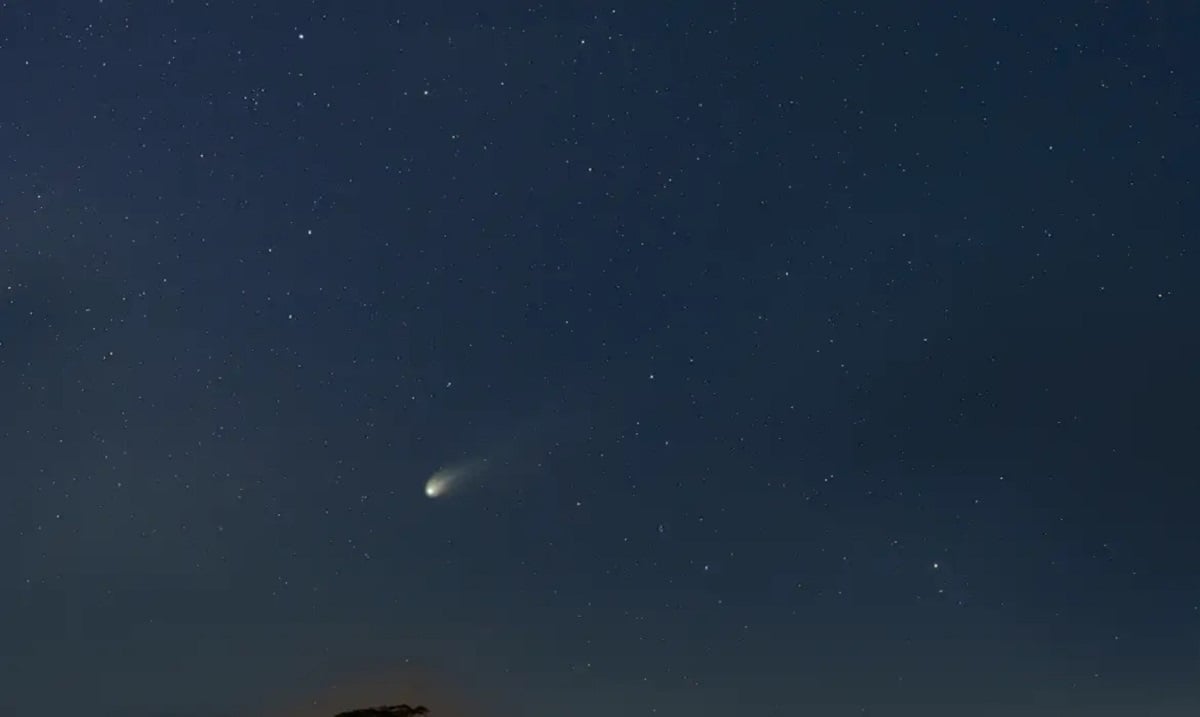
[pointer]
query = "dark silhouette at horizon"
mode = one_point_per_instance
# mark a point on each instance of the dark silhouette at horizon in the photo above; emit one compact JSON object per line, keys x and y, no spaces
{"x":386,"y":711}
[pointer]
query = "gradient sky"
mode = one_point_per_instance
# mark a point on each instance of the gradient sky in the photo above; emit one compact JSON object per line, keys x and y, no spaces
{"x":817,"y":358}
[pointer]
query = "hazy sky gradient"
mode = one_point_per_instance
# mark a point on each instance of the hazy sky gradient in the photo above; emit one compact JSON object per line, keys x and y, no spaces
{"x":835,"y":359}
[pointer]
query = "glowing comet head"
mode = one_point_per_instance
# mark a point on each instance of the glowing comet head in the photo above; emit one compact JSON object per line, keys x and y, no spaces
{"x":438,"y":484}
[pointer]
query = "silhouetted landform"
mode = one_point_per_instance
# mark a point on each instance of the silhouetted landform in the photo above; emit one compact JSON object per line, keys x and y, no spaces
{"x":386,"y":711}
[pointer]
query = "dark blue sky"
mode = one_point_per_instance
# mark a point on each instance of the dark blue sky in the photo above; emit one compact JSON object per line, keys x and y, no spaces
{"x":790,"y":358}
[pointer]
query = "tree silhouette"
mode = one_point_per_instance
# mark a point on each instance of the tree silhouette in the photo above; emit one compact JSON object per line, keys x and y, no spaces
{"x":386,"y":711}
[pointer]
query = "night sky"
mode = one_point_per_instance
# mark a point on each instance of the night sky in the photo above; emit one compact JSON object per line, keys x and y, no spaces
{"x":780,"y":359}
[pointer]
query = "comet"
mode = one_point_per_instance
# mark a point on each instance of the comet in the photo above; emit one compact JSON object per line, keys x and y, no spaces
{"x":449,"y":478}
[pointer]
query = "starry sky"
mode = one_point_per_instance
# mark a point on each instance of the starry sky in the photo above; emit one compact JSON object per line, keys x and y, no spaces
{"x":823,"y":358}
